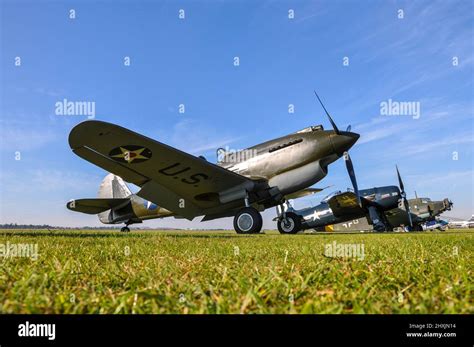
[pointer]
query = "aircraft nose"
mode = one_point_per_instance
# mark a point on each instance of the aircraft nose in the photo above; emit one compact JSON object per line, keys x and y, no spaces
{"x":343,"y":141}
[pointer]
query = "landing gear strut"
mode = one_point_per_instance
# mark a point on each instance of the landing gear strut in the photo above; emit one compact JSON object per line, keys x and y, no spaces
{"x":379,"y":224}
{"x":416,"y":227}
{"x":248,"y":221}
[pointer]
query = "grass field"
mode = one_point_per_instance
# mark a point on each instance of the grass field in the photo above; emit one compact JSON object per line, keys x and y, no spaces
{"x":221,"y":272}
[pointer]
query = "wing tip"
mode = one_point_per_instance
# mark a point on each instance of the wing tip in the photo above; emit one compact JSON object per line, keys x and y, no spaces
{"x":76,"y":133}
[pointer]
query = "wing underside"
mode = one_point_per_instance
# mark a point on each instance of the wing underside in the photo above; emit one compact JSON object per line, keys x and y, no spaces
{"x":182,"y":183}
{"x":345,"y":204}
{"x":304,"y":192}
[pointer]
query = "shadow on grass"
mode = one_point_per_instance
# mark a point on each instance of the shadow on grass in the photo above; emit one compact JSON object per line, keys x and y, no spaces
{"x":456,"y":232}
{"x":207,"y":236}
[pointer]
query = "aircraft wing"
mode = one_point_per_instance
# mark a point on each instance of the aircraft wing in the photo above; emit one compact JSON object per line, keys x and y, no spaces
{"x":180,"y":182}
{"x":345,"y":204}
{"x":303,"y":193}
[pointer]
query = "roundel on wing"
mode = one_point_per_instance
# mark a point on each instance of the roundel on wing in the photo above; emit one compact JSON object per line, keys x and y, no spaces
{"x":130,"y":154}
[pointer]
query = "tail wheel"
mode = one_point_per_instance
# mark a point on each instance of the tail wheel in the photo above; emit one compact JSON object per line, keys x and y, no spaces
{"x":290,"y":224}
{"x":248,"y":221}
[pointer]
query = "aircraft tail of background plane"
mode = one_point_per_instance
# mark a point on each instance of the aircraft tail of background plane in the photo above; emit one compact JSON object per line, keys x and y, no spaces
{"x":113,"y":193}
{"x":112,"y":188}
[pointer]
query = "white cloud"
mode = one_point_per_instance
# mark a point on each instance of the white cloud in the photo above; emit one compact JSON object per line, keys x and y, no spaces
{"x":422,"y":147}
{"x":16,"y":138}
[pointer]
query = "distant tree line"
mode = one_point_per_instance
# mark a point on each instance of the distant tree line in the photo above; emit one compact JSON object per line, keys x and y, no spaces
{"x":26,"y":226}
{"x":49,"y":227}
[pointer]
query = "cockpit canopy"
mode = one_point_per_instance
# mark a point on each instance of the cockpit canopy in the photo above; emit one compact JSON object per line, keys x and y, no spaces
{"x":310,"y":129}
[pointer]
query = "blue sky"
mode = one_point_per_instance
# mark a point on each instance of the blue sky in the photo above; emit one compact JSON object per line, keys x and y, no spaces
{"x":191,"y":62}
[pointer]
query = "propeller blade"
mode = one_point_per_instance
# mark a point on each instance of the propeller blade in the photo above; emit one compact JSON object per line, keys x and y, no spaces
{"x":400,"y":182}
{"x":336,"y":130}
{"x":407,"y":208}
{"x":404,"y":197}
{"x":350,"y":171}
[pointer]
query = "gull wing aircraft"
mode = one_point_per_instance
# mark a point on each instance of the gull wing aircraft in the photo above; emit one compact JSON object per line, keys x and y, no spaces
{"x":380,"y":208}
{"x":185,"y":186}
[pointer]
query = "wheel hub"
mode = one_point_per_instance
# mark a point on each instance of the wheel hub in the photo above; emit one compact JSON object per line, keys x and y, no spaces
{"x":245,"y":222}
{"x":288,"y":224}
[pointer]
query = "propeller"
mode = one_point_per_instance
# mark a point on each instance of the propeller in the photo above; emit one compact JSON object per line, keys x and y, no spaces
{"x":334,"y":126}
{"x":350,"y":171}
{"x":404,"y":197}
{"x":347,"y":157}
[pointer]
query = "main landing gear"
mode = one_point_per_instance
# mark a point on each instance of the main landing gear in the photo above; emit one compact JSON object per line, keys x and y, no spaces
{"x":379,"y":221}
{"x":248,"y":221}
{"x":125,"y":229}
{"x":416,"y":227}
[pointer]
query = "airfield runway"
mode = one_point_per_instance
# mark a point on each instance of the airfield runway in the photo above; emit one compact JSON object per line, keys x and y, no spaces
{"x":83,"y":271}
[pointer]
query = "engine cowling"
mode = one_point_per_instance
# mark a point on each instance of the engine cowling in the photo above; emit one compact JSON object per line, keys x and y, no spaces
{"x":299,"y":178}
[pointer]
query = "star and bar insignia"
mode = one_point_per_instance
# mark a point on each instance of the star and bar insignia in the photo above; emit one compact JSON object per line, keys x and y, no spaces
{"x":130,"y":154}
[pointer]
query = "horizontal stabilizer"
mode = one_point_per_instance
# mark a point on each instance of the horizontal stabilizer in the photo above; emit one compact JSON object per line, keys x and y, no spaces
{"x":95,"y":206}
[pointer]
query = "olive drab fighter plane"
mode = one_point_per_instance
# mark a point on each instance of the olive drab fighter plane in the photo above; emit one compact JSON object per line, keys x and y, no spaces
{"x":176,"y":183}
{"x":421,"y":211}
{"x":380,"y":208}
{"x":424,"y":214}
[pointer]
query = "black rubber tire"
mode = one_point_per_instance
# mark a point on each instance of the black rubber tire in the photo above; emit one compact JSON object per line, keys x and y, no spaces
{"x":125,"y":229}
{"x":256,"y":221}
{"x":292,"y":226}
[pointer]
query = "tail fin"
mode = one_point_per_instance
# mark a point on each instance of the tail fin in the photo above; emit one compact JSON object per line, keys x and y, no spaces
{"x":113,"y":187}
{"x":113,"y":194}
